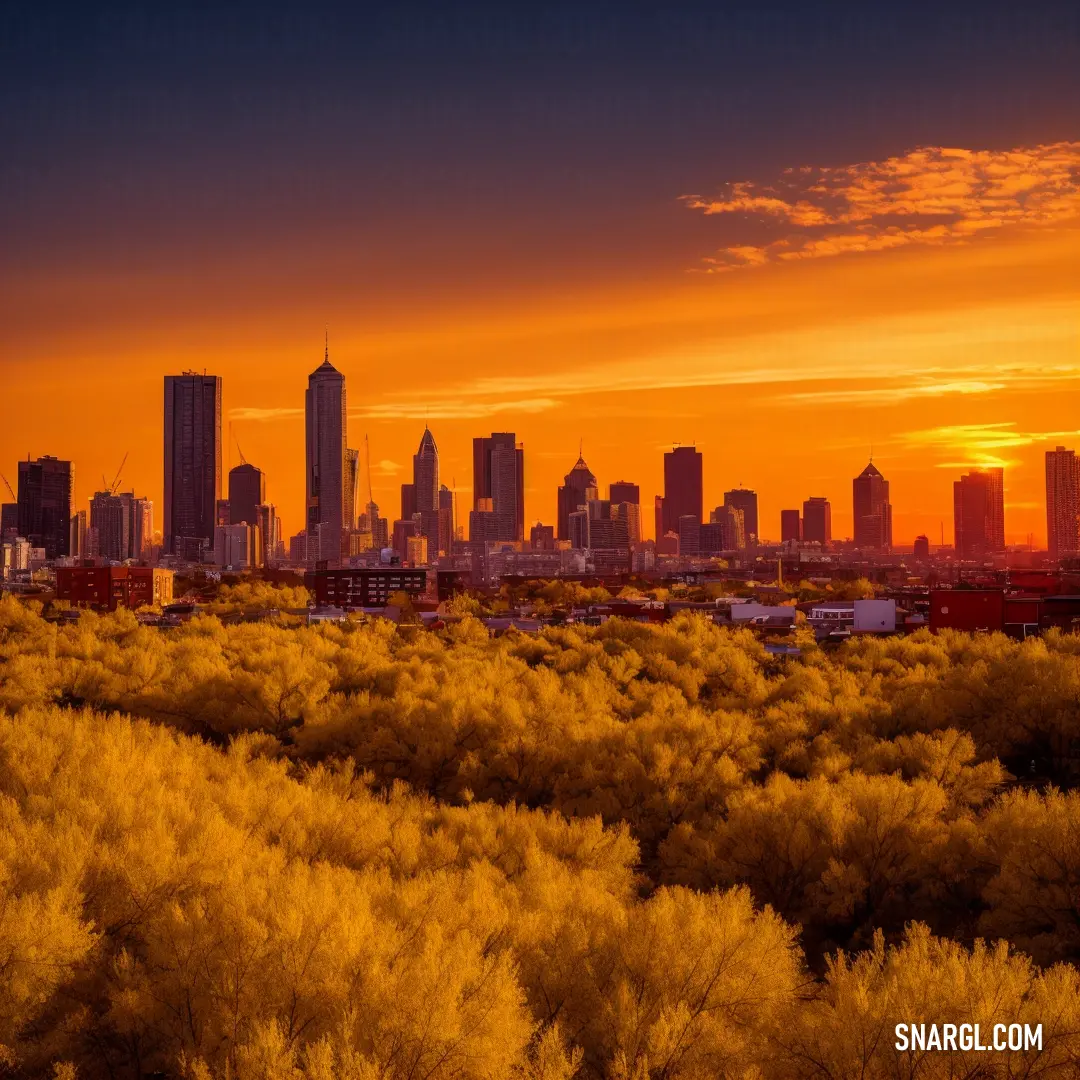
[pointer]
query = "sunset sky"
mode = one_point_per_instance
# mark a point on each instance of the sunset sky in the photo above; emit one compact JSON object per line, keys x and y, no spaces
{"x":788,"y":234}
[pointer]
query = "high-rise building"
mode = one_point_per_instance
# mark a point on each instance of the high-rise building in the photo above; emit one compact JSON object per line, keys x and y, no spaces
{"x":77,"y":546}
{"x":689,"y":529}
{"x":1062,"y":502}
{"x":327,"y":431}
{"x":111,"y":521}
{"x":247,"y":492}
{"x":271,"y":547}
{"x":979,"y":513}
{"x":745,"y":499}
{"x":542,"y":537}
{"x":192,"y":462}
{"x":578,"y":487}
{"x":352,"y":486}
{"x":630,"y":514}
{"x":9,"y":520}
{"x":499,"y":475}
{"x":790,"y":526}
{"x":45,"y":489}
{"x":379,"y":527}
{"x":426,"y":473}
{"x":922,"y":547}
{"x":408,"y":501}
{"x":446,"y":519}
{"x":236,"y":547}
{"x":683,"y":496}
{"x":416,"y":550}
{"x":817,"y":520}
{"x":426,"y":495}
{"x":403,"y":530}
{"x":623,"y":491}
{"x":872,"y":510}
{"x":732,"y":522}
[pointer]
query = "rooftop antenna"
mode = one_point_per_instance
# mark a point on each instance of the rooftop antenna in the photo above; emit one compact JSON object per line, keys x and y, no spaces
{"x":326,"y":353}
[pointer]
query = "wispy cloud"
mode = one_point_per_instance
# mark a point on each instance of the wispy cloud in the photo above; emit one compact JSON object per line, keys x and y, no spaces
{"x":889,"y":395}
{"x":932,"y":195}
{"x":245,"y":412}
{"x":429,"y":408}
{"x":386,"y":467}
{"x":979,"y":444}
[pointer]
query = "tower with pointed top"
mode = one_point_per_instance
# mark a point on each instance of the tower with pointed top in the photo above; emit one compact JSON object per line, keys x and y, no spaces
{"x":426,"y":473}
{"x":872,"y":510}
{"x":326,"y":426}
{"x":578,"y":488}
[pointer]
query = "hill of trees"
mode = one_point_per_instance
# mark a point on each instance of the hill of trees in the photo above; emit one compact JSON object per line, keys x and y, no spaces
{"x":627,"y":851}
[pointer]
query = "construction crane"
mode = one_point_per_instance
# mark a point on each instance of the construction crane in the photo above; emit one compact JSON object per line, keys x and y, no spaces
{"x":14,"y":497}
{"x":111,"y":488}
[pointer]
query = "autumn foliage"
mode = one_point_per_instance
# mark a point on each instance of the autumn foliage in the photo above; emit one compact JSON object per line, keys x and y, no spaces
{"x":627,"y":852}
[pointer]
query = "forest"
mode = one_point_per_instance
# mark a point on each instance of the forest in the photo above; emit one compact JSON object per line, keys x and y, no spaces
{"x":268,"y":851}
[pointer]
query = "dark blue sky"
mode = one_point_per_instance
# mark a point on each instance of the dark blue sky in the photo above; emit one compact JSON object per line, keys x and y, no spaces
{"x":418,"y":136}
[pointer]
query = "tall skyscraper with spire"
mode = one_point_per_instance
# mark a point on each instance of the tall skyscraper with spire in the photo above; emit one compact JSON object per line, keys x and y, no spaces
{"x":431,"y":521}
{"x":326,"y":460}
{"x":426,"y":473}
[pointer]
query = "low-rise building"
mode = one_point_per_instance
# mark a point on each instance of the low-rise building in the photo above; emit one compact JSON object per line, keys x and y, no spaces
{"x":105,"y":588}
{"x":361,"y":587}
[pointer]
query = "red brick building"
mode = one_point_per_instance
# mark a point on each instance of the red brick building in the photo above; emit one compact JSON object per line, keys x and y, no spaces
{"x":105,"y":588}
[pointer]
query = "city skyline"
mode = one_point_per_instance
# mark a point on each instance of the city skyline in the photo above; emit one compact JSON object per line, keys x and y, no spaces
{"x":191,"y":422}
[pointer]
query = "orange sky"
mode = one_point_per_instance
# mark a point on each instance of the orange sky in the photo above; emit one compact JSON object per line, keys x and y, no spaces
{"x":937,"y":351}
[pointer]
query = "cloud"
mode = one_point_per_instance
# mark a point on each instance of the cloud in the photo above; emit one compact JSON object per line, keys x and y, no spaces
{"x":888,"y":395}
{"x":979,"y":444}
{"x":257,"y":414}
{"x":932,"y":195}
{"x":386,"y":467}
{"x":451,"y":409}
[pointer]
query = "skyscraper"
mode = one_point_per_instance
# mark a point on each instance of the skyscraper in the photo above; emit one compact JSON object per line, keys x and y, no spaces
{"x":326,"y":445}
{"x":247,"y":492}
{"x":1062,"y":502}
{"x":45,"y":488}
{"x":121,"y":525}
{"x":979,"y":513}
{"x":578,"y":487}
{"x":817,"y":520}
{"x":9,"y":520}
{"x":110,"y":525}
{"x":352,"y":486}
{"x":683,"y":496}
{"x":732,"y":522}
{"x":872,"y":510}
{"x":790,"y":526}
{"x":192,"y":462}
{"x":499,"y":475}
{"x":623,"y":491}
{"x":426,"y":473}
{"x":745,"y":499}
